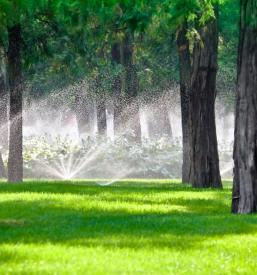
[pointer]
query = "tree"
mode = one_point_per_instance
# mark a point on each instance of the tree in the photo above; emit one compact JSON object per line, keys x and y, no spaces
{"x":244,"y":198}
{"x":3,"y":111}
{"x":125,"y":94}
{"x":204,"y":149}
{"x":11,"y":15}
{"x":131,"y":86}
{"x":198,"y":89}
{"x":185,"y":75}
{"x":15,"y":160}
{"x":125,"y":19}
{"x":117,"y":100}
{"x":82,"y":111}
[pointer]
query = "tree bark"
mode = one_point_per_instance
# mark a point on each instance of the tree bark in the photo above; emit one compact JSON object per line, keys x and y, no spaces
{"x":205,"y":170}
{"x":185,"y":75}
{"x":15,"y":159}
{"x":244,"y":198}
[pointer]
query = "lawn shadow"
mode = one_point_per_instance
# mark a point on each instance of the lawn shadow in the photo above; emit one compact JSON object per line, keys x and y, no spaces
{"x":46,"y":220}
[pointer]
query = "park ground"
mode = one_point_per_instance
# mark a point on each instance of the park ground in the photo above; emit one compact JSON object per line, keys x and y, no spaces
{"x":130,"y":227}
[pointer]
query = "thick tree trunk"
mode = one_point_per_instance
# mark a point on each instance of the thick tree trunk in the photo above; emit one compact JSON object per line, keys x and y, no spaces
{"x":185,"y":75}
{"x":205,"y":170}
{"x":101,"y":117}
{"x":245,"y":147}
{"x":15,"y":160}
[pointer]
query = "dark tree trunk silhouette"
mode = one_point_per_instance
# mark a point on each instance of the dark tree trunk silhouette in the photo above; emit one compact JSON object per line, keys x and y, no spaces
{"x":244,"y":198}
{"x":205,"y":170}
{"x":185,"y":75}
{"x":15,"y":160}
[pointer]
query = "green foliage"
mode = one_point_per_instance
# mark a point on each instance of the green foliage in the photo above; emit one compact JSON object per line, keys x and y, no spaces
{"x":228,"y":43}
{"x":12,"y":10}
{"x":66,"y":41}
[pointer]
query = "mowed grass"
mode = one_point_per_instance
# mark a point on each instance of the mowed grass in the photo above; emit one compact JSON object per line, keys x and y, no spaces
{"x":132,"y":227}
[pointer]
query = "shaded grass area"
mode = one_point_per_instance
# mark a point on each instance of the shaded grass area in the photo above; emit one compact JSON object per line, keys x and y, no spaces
{"x":149,"y":227}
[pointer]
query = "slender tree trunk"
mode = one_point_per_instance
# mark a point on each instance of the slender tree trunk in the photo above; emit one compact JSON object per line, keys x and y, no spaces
{"x":205,"y":170}
{"x":185,"y":75}
{"x":166,"y":130}
{"x":3,"y":112}
{"x":117,"y":100}
{"x":83,"y":115}
{"x":245,"y":147}
{"x":131,"y":87}
{"x":101,"y":117}
{"x":15,"y":160}
{"x":3,"y":102}
{"x":151,"y":121}
{"x":2,"y":167}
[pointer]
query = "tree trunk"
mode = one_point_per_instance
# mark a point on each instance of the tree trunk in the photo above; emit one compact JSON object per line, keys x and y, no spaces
{"x":151,"y":121}
{"x":185,"y":75}
{"x":205,"y":170}
{"x":83,"y":116}
{"x":117,"y":101}
{"x":132,"y":115}
{"x":245,"y":147}
{"x":15,"y":160}
{"x":3,"y":112}
{"x":101,"y":117}
{"x":3,"y":102}
{"x":166,"y":129}
{"x":2,"y":167}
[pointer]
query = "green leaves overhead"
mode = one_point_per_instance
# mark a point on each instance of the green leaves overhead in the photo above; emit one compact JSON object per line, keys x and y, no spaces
{"x":71,"y":39}
{"x":197,"y":11}
{"x":12,"y":10}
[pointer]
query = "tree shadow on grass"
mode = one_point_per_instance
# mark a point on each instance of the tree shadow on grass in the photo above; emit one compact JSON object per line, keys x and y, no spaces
{"x":184,"y":224}
{"x":133,"y":193}
{"x":48,"y":221}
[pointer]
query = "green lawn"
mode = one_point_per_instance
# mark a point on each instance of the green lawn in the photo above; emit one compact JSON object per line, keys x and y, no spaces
{"x":146,"y":227}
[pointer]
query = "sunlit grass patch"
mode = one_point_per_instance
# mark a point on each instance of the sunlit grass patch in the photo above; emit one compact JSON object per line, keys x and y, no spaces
{"x":149,"y":227}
